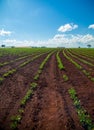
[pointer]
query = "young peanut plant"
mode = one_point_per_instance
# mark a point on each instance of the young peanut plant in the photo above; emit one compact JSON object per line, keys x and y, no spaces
{"x":65,"y":77}
{"x":60,"y":64}
{"x":36,"y":77}
{"x":82,"y":113}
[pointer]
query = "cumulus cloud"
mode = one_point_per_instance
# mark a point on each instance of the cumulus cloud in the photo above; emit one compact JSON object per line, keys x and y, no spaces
{"x":18,"y":43}
{"x":67,"y":27}
{"x":91,"y":26}
{"x":59,"y":40}
{"x":69,"y":38}
{"x":5,"y":33}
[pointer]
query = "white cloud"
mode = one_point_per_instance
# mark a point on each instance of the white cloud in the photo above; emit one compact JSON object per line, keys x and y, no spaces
{"x":67,"y":27}
{"x":69,"y":40}
{"x":73,"y":40}
{"x":14,"y":42}
{"x":5,"y":33}
{"x":91,"y":26}
{"x":59,"y":40}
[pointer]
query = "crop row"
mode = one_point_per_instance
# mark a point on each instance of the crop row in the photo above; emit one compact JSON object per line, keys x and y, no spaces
{"x":87,"y":73}
{"x":89,"y":53}
{"x":14,"y":51}
{"x":16,"y":119}
{"x":86,"y":57}
{"x":22,"y":55}
{"x":61,"y":67}
{"x":42,"y":66}
{"x":10,"y":72}
{"x":12,"y":61}
{"x":85,"y":51}
{"x":84,"y":117}
{"x":60,"y":64}
{"x":21,"y":51}
{"x":80,"y":59}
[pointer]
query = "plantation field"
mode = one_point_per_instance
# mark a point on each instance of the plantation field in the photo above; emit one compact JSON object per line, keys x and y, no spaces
{"x":46,"y":89}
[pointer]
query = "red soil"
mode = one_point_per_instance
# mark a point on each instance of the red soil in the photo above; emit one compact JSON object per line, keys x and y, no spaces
{"x":50,"y":108}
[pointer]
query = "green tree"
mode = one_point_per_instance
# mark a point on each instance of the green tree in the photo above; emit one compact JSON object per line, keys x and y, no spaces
{"x":88,"y":45}
{"x":2,"y":45}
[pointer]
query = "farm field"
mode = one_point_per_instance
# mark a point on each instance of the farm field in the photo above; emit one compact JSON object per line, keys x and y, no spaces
{"x":46,"y":89}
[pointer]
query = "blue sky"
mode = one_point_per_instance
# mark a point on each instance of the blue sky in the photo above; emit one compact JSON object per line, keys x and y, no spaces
{"x":68,"y":23}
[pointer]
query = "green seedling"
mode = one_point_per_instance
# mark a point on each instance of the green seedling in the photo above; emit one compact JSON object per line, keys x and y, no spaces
{"x":21,"y":111}
{"x":15,"y":120}
{"x":86,"y":72}
{"x":83,"y":115}
{"x":26,"y":98}
{"x":92,"y":79}
{"x":72,"y":92}
{"x":9,"y":73}
{"x":65,"y":77}
{"x":36,"y":77}
{"x":39,"y":71}
{"x":13,"y":125}
{"x":1,"y":80}
{"x":60,"y":65}
{"x":1,"y":64}
{"x":33,"y":85}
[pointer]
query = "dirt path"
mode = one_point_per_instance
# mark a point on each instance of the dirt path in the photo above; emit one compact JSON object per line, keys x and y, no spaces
{"x":51,"y":107}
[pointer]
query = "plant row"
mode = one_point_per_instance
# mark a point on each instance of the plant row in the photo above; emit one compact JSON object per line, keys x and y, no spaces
{"x":11,"y":61}
{"x":27,"y":62}
{"x":84,"y":117}
{"x":19,"y":58}
{"x":16,"y":119}
{"x":42,"y":66}
{"x":88,"y":52}
{"x":12,"y":52}
{"x":73,"y":51}
{"x":87,"y":73}
{"x":5,"y":75}
{"x":80,"y":59}
{"x":10,"y":72}
{"x":60,"y":64}
{"x":61,"y":67}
